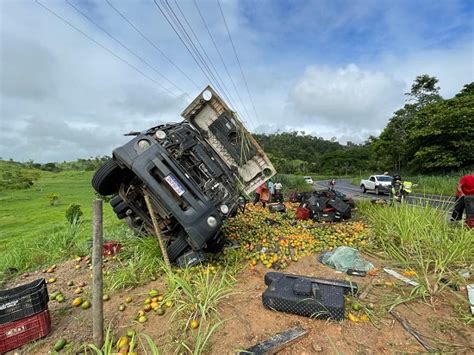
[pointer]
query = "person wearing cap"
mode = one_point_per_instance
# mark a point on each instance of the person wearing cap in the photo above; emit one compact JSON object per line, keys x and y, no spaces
{"x":465,"y":188}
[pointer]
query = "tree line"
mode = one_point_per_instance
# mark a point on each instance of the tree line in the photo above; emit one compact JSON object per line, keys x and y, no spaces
{"x":429,"y":134}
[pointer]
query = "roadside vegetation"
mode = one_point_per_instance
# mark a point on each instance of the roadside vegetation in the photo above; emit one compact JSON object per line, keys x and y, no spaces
{"x":422,"y":239}
{"x":426,"y":184}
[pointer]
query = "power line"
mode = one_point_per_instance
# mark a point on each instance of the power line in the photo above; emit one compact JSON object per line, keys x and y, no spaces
{"x":151,"y":43}
{"x":125,"y":47}
{"x":238,"y":61}
{"x":224,"y":88}
{"x":106,"y":49}
{"x":181,"y":39}
{"x":190,"y":42}
{"x":221,"y":58}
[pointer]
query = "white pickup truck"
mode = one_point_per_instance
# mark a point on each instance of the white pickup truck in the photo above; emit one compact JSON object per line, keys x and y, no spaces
{"x":377,"y":183}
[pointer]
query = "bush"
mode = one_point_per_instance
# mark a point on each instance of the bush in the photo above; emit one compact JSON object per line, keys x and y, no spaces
{"x":53,"y":199}
{"x":73,"y":213}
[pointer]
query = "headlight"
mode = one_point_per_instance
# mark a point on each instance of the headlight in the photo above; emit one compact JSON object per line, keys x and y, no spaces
{"x":143,"y":144}
{"x":160,"y":134}
{"x":211,"y":221}
{"x":224,"y":209}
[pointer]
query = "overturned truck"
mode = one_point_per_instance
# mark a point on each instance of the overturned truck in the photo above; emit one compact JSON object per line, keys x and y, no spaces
{"x":194,"y":172}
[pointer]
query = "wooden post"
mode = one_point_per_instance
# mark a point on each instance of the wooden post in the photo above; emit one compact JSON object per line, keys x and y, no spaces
{"x":157,"y":230}
{"x":97,"y":281}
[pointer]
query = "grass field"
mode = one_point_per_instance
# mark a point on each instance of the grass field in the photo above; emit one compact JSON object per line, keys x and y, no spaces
{"x":31,"y":227}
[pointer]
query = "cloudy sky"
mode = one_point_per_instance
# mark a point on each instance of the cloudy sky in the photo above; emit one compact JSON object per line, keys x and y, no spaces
{"x":331,"y":68}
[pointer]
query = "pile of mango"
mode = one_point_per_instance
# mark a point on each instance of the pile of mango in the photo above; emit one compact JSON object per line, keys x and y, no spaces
{"x":276,"y":239}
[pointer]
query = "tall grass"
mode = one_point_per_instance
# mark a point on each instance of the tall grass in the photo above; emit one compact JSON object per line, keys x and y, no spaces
{"x":292,"y":183}
{"x":62,"y":243}
{"x":138,"y":340}
{"x":198,"y":293}
{"x":437,"y":185}
{"x":139,"y":260}
{"x":421,"y":238}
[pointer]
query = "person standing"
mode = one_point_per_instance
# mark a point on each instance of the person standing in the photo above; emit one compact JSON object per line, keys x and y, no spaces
{"x":464,"y":188}
{"x":262,"y":194}
{"x":278,"y":195}
{"x":271,"y":188}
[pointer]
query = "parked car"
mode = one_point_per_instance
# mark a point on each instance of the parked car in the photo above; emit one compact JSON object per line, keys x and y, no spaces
{"x":377,"y":183}
{"x":308,"y":180}
{"x":194,"y":172}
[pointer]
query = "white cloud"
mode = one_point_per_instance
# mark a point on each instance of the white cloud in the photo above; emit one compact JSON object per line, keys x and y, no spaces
{"x":347,"y":96}
{"x":63,"y":97}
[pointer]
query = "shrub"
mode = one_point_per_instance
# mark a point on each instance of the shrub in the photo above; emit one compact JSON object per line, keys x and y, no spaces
{"x":73,"y":213}
{"x":53,"y":199}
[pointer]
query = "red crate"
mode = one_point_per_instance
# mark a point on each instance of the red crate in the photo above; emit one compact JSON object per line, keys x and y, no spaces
{"x":111,"y":248}
{"x":470,"y":222}
{"x":302,"y":213}
{"x":21,"y":332}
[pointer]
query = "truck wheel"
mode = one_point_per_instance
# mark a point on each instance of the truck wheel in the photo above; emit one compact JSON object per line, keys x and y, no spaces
{"x":115,"y":201}
{"x":177,"y":246}
{"x":377,"y":192}
{"x":364,"y":190}
{"x":121,"y":207}
{"x":215,"y":244}
{"x":106,"y":180}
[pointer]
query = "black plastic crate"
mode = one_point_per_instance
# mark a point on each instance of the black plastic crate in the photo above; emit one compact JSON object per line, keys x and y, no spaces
{"x":325,"y":217}
{"x":277,"y":207}
{"x":339,"y":206}
{"x":23,"y":301}
{"x":469,"y":203}
{"x":305,"y":296}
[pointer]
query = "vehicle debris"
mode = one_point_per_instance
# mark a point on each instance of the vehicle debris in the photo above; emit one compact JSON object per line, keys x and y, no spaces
{"x":326,"y":206}
{"x":306,"y":296}
{"x":277,"y":342}
{"x":470,"y":293}
{"x":400,"y":277}
{"x":194,"y":172}
{"x":346,"y":259}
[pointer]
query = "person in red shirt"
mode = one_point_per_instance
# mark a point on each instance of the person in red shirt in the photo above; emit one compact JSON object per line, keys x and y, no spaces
{"x":261,"y":194}
{"x":465,"y":188}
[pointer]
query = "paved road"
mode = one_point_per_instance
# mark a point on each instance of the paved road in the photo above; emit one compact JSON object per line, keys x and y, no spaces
{"x":348,"y":188}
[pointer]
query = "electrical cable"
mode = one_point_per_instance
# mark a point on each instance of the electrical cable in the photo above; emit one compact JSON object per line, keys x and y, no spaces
{"x":124,"y":46}
{"x":154,"y":45}
{"x":107,"y":50}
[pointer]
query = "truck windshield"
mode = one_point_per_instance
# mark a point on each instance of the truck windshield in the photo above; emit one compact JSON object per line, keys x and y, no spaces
{"x":384,"y":178}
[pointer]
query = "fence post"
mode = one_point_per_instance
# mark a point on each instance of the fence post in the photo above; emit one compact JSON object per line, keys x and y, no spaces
{"x":97,"y":281}
{"x":157,"y":230}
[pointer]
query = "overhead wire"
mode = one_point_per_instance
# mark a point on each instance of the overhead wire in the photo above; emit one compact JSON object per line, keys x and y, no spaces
{"x":223,"y":86}
{"x":238,"y":61}
{"x":153,"y":44}
{"x":241,"y":102}
{"x":182,"y":40}
{"x":192,"y":45}
{"x":125,"y":47}
{"x":169,"y":92}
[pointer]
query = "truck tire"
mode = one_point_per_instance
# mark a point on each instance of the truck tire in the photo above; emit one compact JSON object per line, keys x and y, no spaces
{"x":121,"y":208}
{"x":106,"y":180}
{"x":115,"y":201}
{"x":364,"y":190}
{"x":177,"y":247}
{"x":377,"y":192}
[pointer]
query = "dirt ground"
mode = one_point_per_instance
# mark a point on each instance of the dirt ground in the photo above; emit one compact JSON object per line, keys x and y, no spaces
{"x":249,"y":322}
